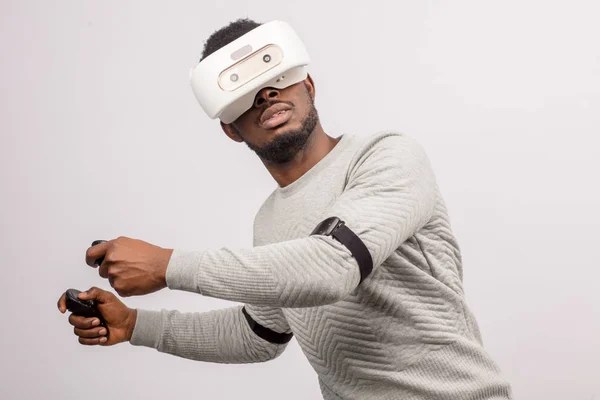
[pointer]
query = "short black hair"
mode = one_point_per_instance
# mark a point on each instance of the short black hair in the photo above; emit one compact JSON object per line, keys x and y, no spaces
{"x":228,"y":34}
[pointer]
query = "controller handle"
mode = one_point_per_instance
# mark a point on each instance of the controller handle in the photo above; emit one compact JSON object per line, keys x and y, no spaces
{"x":95,"y":242}
{"x":84,"y":308}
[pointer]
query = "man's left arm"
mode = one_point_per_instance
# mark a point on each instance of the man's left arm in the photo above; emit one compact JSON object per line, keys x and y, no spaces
{"x":389,"y":197}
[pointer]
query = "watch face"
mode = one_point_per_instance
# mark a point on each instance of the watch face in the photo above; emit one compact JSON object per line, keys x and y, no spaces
{"x":326,"y":227}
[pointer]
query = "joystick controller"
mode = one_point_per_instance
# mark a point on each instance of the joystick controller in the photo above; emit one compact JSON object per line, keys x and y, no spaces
{"x":85,"y":308}
{"x":95,"y":242}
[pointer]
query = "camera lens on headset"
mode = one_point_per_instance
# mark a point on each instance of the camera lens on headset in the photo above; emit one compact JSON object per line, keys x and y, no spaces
{"x":266,"y":58}
{"x":234,"y":77}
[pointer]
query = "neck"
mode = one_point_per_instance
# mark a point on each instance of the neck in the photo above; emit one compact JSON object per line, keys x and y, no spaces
{"x":318,"y":145}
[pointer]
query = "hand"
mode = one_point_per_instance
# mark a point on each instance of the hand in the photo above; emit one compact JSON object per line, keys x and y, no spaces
{"x":133,"y":267}
{"x":119,"y":319}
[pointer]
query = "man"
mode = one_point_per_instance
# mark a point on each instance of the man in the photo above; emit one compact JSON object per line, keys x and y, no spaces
{"x":400,"y":331}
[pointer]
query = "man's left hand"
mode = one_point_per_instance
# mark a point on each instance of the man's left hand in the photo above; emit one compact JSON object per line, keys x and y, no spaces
{"x":133,"y":267}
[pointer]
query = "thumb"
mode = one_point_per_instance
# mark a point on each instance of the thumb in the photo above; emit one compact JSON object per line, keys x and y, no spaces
{"x":94,"y":293}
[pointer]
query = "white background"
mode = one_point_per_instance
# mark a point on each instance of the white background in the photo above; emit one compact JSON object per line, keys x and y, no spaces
{"x":101,"y":137}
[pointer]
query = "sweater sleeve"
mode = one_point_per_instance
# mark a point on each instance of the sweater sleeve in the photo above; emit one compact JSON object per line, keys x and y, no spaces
{"x":389,"y":196}
{"x":219,"y":336}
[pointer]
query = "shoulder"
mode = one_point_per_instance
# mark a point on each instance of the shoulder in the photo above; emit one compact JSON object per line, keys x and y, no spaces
{"x":387,"y":140}
{"x":388,"y":145}
{"x":264,"y":207}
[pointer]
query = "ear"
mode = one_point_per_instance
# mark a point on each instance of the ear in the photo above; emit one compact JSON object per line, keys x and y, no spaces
{"x":309,"y":84}
{"x":231,"y":131}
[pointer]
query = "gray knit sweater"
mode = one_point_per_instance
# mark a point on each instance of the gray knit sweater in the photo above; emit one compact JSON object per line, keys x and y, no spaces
{"x":404,"y":333}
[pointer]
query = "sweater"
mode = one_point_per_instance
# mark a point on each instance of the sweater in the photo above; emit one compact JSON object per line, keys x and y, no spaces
{"x":405,"y":332}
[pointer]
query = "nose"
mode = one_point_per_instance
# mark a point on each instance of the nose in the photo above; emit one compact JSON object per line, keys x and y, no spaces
{"x":265,"y":95}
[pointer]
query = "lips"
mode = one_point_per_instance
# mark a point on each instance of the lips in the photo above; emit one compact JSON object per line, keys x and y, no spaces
{"x":275,"y":115}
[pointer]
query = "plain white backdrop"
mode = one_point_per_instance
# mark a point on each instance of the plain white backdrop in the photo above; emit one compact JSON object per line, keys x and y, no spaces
{"x":102,"y":137}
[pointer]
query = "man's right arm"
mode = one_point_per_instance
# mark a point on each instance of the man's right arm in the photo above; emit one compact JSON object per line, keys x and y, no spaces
{"x":228,"y":335}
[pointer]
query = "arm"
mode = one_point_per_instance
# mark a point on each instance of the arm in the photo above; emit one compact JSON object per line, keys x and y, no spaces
{"x":220,"y":336}
{"x":390,"y":195}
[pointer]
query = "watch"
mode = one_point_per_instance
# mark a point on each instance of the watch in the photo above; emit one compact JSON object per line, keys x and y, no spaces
{"x":336,"y":228}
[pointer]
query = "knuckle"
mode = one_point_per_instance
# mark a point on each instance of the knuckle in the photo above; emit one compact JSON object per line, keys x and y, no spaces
{"x":111,"y":255}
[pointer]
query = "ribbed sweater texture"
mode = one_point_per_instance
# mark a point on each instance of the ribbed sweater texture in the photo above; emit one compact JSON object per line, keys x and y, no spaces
{"x":405,"y":332}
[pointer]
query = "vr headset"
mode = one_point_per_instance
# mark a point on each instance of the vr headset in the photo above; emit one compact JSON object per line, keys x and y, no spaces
{"x":226,"y":82}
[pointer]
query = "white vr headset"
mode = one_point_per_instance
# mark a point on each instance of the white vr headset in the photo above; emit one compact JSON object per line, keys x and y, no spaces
{"x":226,"y":82}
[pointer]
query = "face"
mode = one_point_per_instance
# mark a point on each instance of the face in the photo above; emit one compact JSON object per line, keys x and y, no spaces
{"x":279,"y":123}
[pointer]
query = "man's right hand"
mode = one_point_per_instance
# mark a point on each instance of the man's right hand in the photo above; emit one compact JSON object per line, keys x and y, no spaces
{"x":119,"y":319}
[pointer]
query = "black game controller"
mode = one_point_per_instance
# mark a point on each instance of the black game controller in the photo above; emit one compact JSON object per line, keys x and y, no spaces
{"x":95,"y":242}
{"x":85,"y":308}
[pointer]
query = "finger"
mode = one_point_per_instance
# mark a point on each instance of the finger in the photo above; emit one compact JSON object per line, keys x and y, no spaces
{"x":96,"y":252}
{"x":94,"y":341}
{"x":62,"y":303}
{"x":93,"y":293}
{"x":90,"y":333}
{"x":103,"y":270}
{"x":83,"y":322}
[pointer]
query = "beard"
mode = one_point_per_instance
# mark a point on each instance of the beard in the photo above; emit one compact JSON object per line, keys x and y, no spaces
{"x":282,"y":148}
